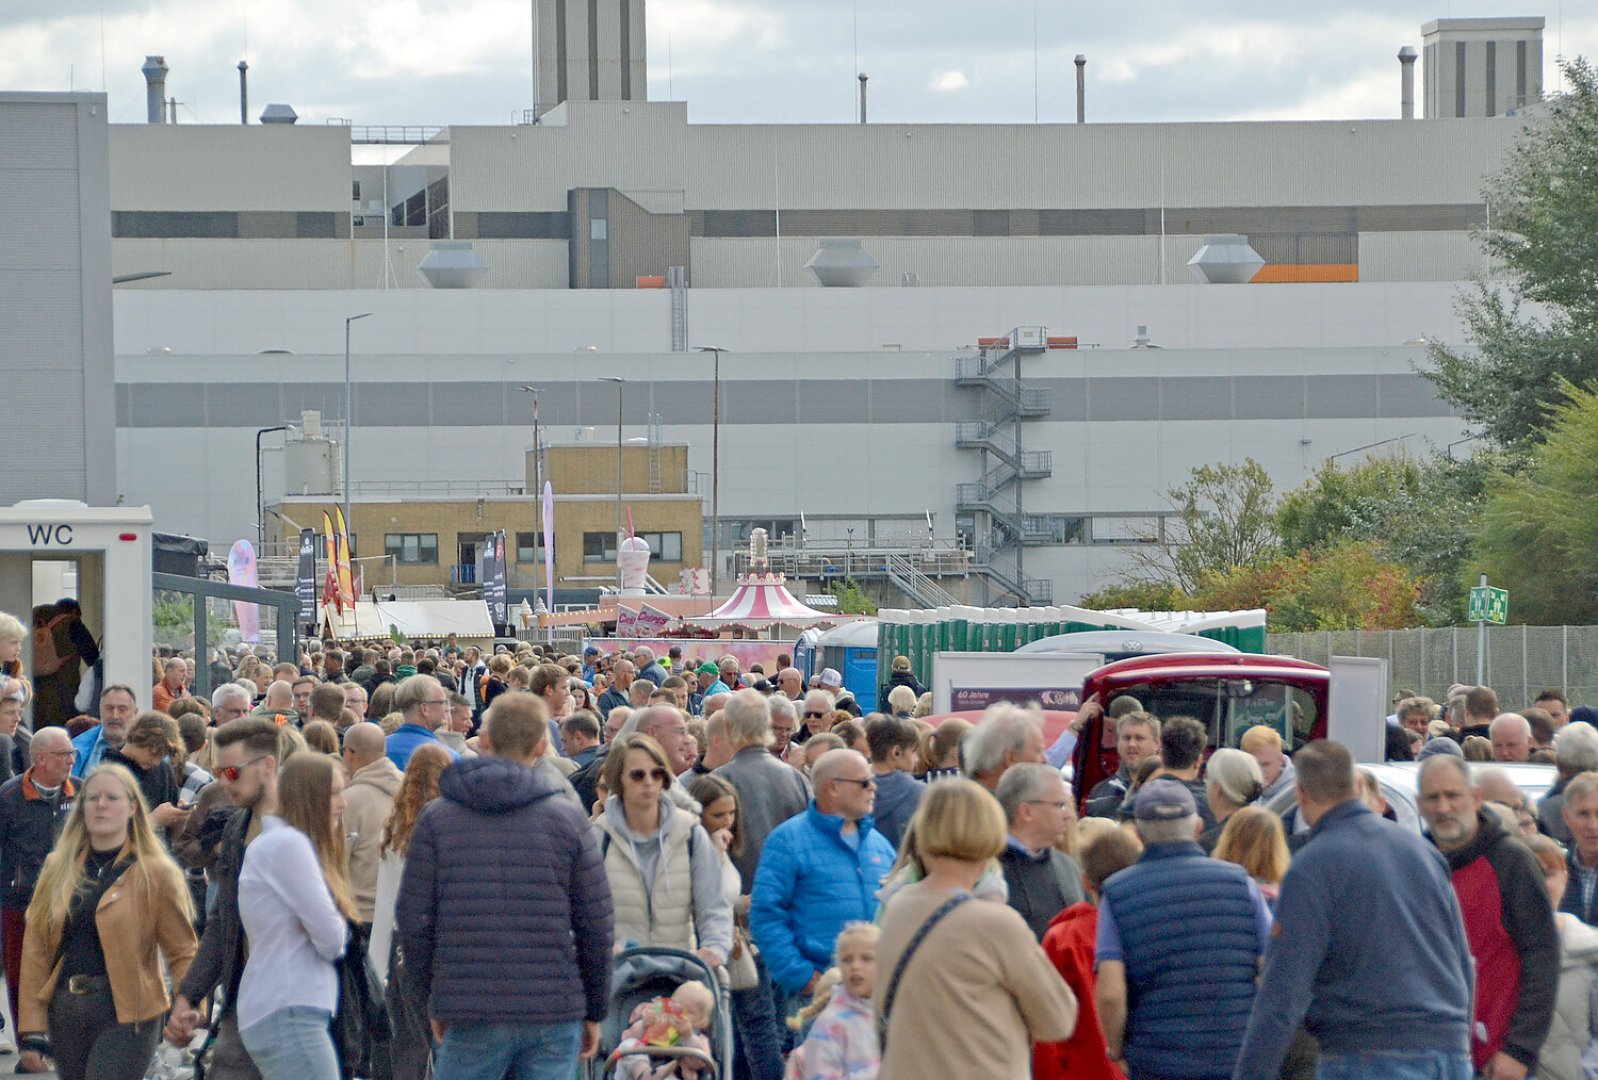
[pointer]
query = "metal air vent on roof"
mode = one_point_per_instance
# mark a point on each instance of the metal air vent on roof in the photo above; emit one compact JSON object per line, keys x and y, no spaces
{"x":1226,"y":260}
{"x":452,"y":264}
{"x":279,"y":114}
{"x":842,"y":264}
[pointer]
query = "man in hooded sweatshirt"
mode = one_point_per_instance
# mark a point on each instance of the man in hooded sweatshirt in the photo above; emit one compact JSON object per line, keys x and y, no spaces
{"x":368,"y":799}
{"x":511,"y":940}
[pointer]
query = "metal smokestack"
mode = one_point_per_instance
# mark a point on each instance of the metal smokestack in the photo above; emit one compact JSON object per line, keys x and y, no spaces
{"x":1406,"y":91}
{"x":244,"y":92}
{"x":863,"y":77}
{"x":155,"y":70}
{"x":1081,"y":89}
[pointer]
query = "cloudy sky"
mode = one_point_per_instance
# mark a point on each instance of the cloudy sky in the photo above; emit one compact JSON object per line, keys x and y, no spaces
{"x":739,"y":61}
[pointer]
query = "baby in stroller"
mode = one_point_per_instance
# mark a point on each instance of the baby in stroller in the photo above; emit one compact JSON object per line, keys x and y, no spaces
{"x":678,"y":1021}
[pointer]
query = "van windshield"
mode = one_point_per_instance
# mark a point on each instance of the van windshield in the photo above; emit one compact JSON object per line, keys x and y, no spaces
{"x":1229,"y":707}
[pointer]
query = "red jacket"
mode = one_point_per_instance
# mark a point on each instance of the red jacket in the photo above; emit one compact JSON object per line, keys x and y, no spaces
{"x":1069,"y":945}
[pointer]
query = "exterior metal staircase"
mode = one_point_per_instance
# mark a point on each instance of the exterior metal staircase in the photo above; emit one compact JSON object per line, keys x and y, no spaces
{"x":995,"y":499}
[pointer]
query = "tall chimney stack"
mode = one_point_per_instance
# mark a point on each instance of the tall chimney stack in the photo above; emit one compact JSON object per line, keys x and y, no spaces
{"x":1081,"y":89}
{"x":155,"y":89}
{"x":863,"y":77}
{"x":244,"y":93}
{"x":1406,"y":86}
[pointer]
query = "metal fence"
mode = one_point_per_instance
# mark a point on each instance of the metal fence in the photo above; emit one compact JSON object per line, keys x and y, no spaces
{"x":1522,"y":661}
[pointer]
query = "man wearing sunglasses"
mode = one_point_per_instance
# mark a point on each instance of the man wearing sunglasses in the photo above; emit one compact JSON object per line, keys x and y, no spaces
{"x":246,"y":758}
{"x":818,"y":872}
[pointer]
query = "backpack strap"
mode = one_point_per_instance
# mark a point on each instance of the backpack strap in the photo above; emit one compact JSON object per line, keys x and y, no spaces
{"x":904,"y":962}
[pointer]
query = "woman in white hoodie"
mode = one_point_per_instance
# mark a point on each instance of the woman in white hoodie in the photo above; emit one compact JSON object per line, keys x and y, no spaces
{"x":1569,"y":1052}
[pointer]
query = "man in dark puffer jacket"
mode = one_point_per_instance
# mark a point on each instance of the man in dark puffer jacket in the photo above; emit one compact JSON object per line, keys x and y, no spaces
{"x":505,"y":912}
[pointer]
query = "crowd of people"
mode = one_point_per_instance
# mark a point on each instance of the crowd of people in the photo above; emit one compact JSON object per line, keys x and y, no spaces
{"x":428,"y":861}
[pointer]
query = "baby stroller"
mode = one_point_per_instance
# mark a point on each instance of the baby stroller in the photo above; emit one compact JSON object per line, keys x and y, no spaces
{"x":642,"y":973}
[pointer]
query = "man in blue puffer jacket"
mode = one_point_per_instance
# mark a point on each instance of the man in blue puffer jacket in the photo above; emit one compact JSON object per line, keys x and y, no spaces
{"x":818,"y":872}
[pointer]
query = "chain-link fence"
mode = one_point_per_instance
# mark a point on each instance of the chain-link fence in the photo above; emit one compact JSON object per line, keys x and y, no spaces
{"x":1522,"y":661}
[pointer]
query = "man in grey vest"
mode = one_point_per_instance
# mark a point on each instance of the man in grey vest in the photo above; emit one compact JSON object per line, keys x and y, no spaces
{"x":1180,"y":941}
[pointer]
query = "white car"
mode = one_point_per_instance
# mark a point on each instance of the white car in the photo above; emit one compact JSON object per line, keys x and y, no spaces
{"x":1399,"y":780}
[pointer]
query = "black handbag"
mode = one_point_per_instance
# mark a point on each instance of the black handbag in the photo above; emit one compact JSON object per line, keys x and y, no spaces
{"x":361,"y":1023}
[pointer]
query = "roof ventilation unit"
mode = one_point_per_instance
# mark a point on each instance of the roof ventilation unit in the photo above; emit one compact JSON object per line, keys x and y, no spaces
{"x":842,"y":264}
{"x":1226,"y":260}
{"x":279,"y":114}
{"x":452,"y":264}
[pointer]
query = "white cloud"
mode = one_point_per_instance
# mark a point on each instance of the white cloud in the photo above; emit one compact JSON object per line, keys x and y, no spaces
{"x":950,"y":80}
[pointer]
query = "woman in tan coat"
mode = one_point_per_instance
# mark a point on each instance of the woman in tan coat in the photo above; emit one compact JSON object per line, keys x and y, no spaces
{"x":977,"y":991}
{"x":109,"y":904}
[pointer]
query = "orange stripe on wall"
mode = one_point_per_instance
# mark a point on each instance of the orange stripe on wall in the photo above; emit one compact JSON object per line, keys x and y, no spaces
{"x":1280,"y":273}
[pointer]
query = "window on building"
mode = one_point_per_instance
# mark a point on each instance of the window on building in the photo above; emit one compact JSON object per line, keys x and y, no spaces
{"x":601,"y":546}
{"x":413,"y":548}
{"x":530,"y":547}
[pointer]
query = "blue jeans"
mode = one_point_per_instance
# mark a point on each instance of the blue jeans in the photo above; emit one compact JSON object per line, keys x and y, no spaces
{"x":471,"y":1051}
{"x":755,"y":1032}
{"x":292,"y":1044}
{"x":1395,"y":1065}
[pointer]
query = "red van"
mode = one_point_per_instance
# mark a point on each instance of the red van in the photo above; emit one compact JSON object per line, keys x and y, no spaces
{"x":1227,"y":692}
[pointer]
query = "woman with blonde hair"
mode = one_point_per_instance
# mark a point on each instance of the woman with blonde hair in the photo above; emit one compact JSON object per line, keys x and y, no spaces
{"x":940,"y":749}
{"x":1254,"y":839}
{"x":12,"y":635}
{"x":949,"y":966}
{"x":295,"y":906}
{"x":109,"y":907}
{"x":901,"y":701}
{"x":411,"y":1046}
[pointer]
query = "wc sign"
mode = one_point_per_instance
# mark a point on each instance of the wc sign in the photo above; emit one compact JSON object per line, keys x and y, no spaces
{"x":46,"y":535}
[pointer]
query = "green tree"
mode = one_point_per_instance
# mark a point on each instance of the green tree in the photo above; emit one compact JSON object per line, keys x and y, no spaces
{"x":1141,"y":595}
{"x":1539,"y":525}
{"x":1225,"y":517}
{"x":1542,"y":233}
{"x":1338,"y":503}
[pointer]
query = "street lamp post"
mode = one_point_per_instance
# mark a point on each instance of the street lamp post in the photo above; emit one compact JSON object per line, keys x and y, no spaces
{"x":620,"y":383}
{"x":538,"y":445}
{"x":349,"y":415}
{"x":715,"y":467}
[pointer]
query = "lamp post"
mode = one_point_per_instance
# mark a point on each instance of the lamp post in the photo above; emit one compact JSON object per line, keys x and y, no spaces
{"x":538,"y":446}
{"x":715,"y":467}
{"x":349,"y":415}
{"x":620,"y":383}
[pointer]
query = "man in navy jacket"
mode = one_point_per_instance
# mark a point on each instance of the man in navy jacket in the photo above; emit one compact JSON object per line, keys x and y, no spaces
{"x":505,"y":912}
{"x":1368,"y":948}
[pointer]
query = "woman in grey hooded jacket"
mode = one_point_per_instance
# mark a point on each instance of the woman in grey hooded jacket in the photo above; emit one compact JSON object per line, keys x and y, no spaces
{"x":664,"y":870}
{"x":1569,"y":1052}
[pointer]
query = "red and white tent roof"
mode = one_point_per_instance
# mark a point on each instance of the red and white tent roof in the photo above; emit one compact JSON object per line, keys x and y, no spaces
{"x":764,"y":599}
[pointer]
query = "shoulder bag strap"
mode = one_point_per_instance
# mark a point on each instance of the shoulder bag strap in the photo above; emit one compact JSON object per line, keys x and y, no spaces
{"x":904,"y":962}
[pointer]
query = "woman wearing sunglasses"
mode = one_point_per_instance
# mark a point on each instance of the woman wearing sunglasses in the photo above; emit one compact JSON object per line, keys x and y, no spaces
{"x":663,"y":868}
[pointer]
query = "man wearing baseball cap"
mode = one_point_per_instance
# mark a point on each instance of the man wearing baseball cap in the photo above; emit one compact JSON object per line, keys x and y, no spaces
{"x":1181,"y":937}
{"x":710,"y":685}
{"x":832,"y":682}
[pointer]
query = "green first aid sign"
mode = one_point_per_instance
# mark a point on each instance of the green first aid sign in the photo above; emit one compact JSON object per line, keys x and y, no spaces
{"x":1490,"y":605}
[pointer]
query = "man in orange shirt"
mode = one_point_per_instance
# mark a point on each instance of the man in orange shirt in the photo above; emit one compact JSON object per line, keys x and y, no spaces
{"x":173,"y":684}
